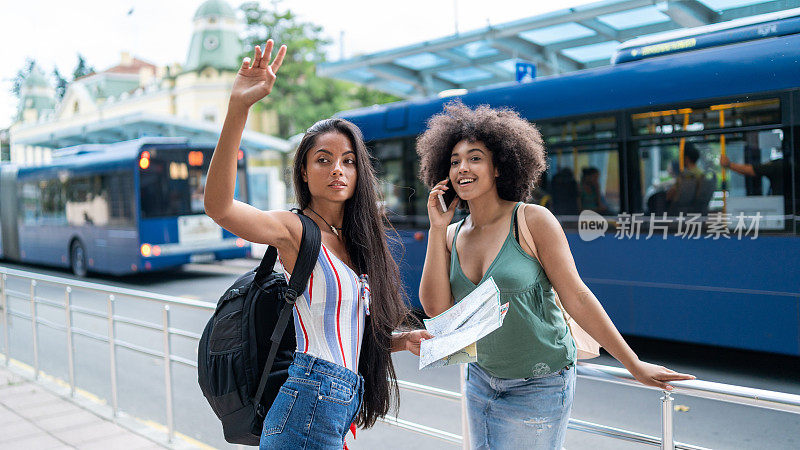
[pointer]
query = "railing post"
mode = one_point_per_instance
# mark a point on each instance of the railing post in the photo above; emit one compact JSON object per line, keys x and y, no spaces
{"x":464,"y":419}
{"x":112,"y":352}
{"x":34,"y":332}
{"x":667,"y":440}
{"x":168,"y":376}
{"x":70,"y":350}
{"x":5,"y":318}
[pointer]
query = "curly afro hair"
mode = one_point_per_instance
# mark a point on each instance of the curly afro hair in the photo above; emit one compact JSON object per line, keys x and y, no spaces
{"x":517,"y":148}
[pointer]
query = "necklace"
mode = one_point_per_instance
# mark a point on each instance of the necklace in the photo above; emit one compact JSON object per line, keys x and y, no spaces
{"x":333,"y":228}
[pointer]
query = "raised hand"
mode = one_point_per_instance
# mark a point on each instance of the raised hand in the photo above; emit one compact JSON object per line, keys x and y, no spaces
{"x":255,"y":79}
{"x":435,"y":214}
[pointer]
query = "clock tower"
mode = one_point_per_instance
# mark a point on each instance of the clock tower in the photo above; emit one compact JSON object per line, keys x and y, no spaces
{"x":215,"y":41}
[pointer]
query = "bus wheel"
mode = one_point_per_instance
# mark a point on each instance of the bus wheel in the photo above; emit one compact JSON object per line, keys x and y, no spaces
{"x":78,"y":259}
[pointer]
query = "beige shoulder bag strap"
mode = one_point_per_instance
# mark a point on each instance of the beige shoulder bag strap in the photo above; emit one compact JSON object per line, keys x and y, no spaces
{"x":587,"y":347}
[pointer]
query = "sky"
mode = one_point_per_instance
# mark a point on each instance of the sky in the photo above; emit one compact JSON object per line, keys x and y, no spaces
{"x":159,"y":31}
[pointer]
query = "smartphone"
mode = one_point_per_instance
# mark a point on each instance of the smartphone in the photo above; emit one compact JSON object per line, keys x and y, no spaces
{"x":447,"y":198}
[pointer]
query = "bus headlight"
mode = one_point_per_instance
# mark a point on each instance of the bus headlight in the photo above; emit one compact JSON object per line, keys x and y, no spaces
{"x":146,"y":250}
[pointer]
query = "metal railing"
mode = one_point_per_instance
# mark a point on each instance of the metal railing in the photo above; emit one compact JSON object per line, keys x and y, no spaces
{"x":111,"y":293}
{"x":695,"y":388}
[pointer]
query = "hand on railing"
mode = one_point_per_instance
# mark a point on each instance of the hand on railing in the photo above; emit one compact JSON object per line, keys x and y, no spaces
{"x":658,"y":376}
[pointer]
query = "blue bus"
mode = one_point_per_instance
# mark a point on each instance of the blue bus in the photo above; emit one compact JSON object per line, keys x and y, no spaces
{"x":615,"y":138}
{"x":121,"y":208}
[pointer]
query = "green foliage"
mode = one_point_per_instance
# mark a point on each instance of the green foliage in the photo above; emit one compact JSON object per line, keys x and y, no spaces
{"x":60,"y":82}
{"x":19,"y":78}
{"x":82,"y":68}
{"x":300,"y":97}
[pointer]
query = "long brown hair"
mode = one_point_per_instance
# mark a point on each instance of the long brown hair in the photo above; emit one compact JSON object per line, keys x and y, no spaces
{"x":364,"y":232}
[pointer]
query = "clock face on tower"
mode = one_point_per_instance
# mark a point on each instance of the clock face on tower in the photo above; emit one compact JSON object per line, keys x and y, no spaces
{"x":210,"y":42}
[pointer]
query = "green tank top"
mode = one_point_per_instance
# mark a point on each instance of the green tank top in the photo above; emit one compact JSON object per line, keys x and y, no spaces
{"x":534,"y":339}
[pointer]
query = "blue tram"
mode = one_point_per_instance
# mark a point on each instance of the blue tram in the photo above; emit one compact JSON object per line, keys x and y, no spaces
{"x":729,"y":89}
{"x":119,"y":208}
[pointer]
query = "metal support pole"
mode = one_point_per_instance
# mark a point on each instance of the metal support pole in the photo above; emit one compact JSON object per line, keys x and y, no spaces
{"x":70,"y":350}
{"x":168,"y":376}
{"x":5,"y":318}
{"x":33,"y":329}
{"x":465,"y":444}
{"x":112,"y":352}
{"x":667,"y":440}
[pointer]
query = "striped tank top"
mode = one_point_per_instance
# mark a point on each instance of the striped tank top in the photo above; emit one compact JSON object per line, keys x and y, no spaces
{"x":329,"y":316}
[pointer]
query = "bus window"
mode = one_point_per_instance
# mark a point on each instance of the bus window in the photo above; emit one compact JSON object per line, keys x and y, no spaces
{"x":172,"y":185}
{"x":707,"y":117}
{"x":87,"y":201}
{"x":52,"y":202}
{"x":581,"y":178}
{"x":118,"y":186}
{"x":758,"y":177}
{"x":239,"y":189}
{"x":756,"y":182}
{"x":197,"y":186}
{"x":419,"y":197}
{"x":30,"y":203}
{"x":164,"y":184}
{"x":559,"y":131}
{"x":79,"y":200}
{"x":389,"y":168}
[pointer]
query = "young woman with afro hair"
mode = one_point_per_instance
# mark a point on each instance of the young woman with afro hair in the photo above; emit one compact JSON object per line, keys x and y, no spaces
{"x":519,"y":393}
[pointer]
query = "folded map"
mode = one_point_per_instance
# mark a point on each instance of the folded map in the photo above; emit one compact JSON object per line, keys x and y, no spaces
{"x":456,"y":330}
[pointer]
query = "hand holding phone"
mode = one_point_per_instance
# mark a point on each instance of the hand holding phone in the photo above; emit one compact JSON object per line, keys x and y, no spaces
{"x":447,"y":198}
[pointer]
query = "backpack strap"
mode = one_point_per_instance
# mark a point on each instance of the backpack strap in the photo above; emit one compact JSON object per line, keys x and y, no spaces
{"x":522,"y":224}
{"x":306,"y":260}
{"x":266,"y":265}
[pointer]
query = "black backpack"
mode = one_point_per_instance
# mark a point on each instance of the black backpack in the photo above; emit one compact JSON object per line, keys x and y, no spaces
{"x":244,"y":355}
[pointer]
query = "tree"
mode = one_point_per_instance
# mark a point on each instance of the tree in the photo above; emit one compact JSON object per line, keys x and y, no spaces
{"x":300,"y":97}
{"x":82,"y":68}
{"x":22,"y":74}
{"x":61,"y":84}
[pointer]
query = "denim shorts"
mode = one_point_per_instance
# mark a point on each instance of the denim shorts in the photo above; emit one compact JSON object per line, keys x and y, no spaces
{"x":314,"y":407}
{"x":520,"y":413}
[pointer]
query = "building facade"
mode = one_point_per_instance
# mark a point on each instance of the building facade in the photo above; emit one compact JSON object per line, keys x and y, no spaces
{"x":136,"y":98}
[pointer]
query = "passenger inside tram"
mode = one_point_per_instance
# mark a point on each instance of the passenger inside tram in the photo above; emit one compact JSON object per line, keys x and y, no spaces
{"x":591,"y":197}
{"x":772,"y":169}
{"x":565,"y":193}
{"x":693,"y":189}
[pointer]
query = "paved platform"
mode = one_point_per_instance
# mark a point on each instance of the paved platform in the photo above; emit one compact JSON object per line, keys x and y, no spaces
{"x":33,"y":417}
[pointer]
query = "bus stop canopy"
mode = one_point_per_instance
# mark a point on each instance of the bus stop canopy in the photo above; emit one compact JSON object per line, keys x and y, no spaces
{"x":561,"y":41}
{"x":142,"y":124}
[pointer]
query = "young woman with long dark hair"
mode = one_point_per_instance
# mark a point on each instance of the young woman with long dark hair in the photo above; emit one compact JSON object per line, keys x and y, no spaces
{"x":519,"y":393}
{"x":342,"y":371}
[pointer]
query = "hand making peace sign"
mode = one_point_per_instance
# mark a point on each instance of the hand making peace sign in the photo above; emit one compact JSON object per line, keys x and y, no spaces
{"x":254,"y":80}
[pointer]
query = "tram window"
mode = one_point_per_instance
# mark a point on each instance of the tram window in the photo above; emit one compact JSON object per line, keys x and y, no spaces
{"x":87,"y":201}
{"x":419,"y":194}
{"x":581,"y":178}
{"x":685,"y":119}
{"x":389,"y":165}
{"x":52,"y":202}
{"x":555,"y":132}
{"x":171,"y":187}
{"x":30,"y":203}
{"x":756,"y":183}
{"x":119,"y":189}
